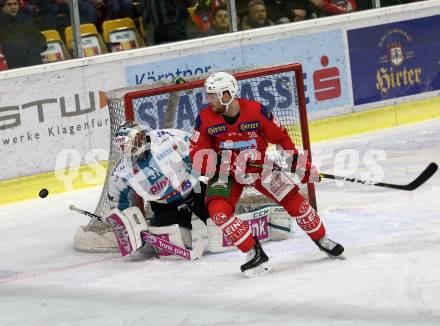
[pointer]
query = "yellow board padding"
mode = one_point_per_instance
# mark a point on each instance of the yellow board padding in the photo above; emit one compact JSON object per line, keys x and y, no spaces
{"x":346,"y":125}
{"x":55,"y":182}
{"x":371,"y":120}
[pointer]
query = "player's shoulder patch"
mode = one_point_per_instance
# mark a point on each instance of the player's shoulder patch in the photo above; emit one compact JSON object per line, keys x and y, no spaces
{"x":266,"y":112}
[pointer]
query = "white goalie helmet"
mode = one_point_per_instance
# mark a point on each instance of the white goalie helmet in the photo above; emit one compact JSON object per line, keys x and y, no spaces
{"x":221,"y":82}
{"x":130,"y":139}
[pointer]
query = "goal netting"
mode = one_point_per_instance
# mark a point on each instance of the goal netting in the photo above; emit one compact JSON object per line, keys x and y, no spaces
{"x":175,"y":104}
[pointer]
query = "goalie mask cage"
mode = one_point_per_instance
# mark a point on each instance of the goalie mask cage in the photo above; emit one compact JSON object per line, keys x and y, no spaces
{"x":164,"y":105}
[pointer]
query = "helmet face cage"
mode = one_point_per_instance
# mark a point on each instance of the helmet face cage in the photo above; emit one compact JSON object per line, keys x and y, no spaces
{"x":130,"y":139}
{"x":221,"y":82}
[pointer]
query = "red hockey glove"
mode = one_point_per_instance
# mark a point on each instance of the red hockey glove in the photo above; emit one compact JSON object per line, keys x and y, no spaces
{"x":305,"y":170}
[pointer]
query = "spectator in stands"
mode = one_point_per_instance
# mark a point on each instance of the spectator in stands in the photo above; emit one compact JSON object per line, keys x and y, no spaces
{"x":257,"y":16}
{"x":204,"y":14}
{"x":21,"y":42}
{"x":219,"y":22}
{"x":113,"y":9}
{"x":125,"y":8}
{"x":87,"y":12}
{"x":335,"y":7}
{"x":167,"y":19}
{"x":298,"y":10}
{"x":36,"y":7}
{"x":202,"y":18}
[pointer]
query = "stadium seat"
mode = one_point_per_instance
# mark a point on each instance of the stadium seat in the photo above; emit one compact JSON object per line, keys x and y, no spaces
{"x":56,"y":49}
{"x":121,"y":35}
{"x":91,"y":41}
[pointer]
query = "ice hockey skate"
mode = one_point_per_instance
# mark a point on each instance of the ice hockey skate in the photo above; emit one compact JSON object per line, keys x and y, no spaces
{"x":256,"y":262}
{"x":331,"y":248}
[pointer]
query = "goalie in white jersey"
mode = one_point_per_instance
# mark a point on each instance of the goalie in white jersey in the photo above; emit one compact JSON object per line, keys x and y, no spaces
{"x":155,"y":166}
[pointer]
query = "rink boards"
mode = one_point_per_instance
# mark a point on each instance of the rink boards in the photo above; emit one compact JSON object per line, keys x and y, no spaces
{"x":52,"y":119}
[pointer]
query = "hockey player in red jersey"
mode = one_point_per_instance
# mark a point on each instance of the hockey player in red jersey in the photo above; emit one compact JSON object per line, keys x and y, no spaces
{"x":229,"y":142}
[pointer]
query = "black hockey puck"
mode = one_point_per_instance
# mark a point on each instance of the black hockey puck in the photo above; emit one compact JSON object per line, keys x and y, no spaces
{"x":43,"y":193}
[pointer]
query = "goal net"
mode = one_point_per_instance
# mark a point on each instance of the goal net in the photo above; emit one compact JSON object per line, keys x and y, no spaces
{"x":166,"y":104}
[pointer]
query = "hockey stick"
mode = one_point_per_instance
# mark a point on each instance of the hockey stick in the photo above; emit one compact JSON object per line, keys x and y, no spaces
{"x":87,"y":213}
{"x":421,"y":179}
{"x":154,"y":241}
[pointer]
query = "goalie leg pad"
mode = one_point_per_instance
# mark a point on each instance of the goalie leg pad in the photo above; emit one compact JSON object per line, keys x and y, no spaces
{"x":173,"y":240}
{"x":236,"y":230}
{"x":280,"y":223}
{"x":174,"y":233}
{"x":124,"y":236}
{"x":137,"y":222}
{"x":127,"y":227}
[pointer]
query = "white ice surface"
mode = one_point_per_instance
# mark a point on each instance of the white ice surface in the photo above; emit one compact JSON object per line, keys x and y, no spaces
{"x":391,"y":274}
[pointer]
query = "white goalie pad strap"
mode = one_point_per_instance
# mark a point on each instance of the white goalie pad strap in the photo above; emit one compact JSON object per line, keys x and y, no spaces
{"x":123,"y":231}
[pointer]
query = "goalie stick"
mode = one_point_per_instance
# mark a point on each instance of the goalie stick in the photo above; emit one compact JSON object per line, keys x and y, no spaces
{"x":154,"y":241}
{"x":421,"y":179}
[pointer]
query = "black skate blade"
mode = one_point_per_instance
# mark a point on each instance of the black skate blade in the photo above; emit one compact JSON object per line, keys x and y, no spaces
{"x":340,"y":257}
{"x":259,"y":270}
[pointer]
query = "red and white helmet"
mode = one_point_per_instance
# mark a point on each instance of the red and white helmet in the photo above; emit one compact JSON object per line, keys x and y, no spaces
{"x":221,"y":82}
{"x":130,"y":139}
